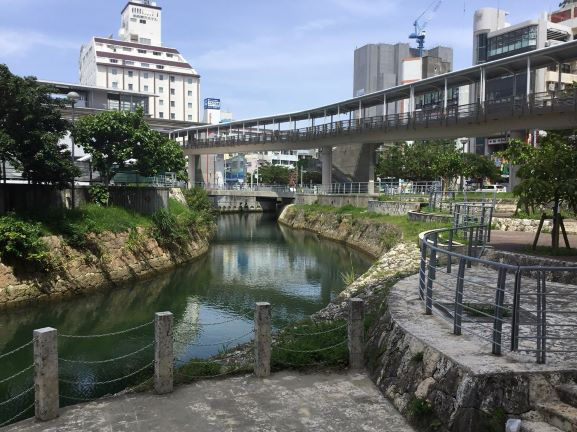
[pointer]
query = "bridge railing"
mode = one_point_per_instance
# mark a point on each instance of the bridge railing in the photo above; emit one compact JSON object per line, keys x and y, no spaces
{"x":537,"y":103}
{"x":520,"y":309}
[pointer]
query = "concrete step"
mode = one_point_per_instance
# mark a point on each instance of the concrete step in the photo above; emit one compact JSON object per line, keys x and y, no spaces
{"x":568,"y":393}
{"x":538,"y":426}
{"x":560,"y":415}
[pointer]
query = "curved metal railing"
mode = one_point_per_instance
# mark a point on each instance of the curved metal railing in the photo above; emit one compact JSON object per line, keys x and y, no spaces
{"x":516,"y":307}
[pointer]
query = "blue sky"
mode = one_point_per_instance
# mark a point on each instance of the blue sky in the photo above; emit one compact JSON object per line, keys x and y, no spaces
{"x":259,"y":56}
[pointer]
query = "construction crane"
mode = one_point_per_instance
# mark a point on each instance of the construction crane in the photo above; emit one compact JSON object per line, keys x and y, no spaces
{"x":421,"y":24}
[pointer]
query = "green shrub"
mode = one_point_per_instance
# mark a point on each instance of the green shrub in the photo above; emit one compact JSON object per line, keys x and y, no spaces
{"x":197,"y":199}
{"x":99,"y":195}
{"x":21,"y":243}
{"x":168,"y":231}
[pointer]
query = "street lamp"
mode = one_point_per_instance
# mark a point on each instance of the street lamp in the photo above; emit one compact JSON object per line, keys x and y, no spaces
{"x":73,"y":97}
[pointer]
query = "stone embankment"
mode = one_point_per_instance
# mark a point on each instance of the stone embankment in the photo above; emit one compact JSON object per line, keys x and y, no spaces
{"x":371,"y":236}
{"x":530,"y":225}
{"x":109,"y":259}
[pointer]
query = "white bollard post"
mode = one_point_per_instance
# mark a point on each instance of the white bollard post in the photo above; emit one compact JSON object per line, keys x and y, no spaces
{"x":356,"y":333}
{"x":163,"y":353}
{"x":46,"y":395}
{"x":262,"y":340}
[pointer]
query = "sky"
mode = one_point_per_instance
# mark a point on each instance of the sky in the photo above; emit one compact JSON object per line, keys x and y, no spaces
{"x":260,"y":57}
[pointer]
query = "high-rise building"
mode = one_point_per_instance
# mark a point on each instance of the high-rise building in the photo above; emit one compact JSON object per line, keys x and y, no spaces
{"x":381,"y":66}
{"x":494,"y":38}
{"x":137,"y":61}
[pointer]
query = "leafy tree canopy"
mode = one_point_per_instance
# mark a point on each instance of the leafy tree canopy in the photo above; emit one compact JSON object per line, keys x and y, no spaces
{"x":31,"y":126}
{"x":116,"y":139}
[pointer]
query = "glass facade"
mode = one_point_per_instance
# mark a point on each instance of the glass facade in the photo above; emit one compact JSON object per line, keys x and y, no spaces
{"x":482,"y":48}
{"x":435,"y":99}
{"x":514,"y":42}
{"x":127,"y":102}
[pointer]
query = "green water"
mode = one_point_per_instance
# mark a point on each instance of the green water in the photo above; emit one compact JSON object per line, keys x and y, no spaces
{"x":251,"y":259}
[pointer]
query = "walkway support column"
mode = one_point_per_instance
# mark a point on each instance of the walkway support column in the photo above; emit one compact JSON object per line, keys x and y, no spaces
{"x":191,"y":168}
{"x":327,"y":168}
{"x":46,"y":393}
{"x":371,"y":168}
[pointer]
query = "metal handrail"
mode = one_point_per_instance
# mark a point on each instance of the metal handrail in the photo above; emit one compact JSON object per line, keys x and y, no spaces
{"x":534,"y":319}
{"x":478,"y":111}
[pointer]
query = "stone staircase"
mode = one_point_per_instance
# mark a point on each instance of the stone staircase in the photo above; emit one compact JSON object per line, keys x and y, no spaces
{"x":555,"y":415}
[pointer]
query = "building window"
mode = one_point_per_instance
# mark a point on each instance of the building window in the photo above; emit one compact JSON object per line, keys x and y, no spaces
{"x":144,"y":65}
{"x":172,"y":92}
{"x":172,"y":79}
{"x":159,"y":67}
{"x":141,"y":51}
{"x":511,"y":43}
{"x":561,"y":16}
{"x":161,"y":77}
{"x":190,"y":105}
{"x":190,"y":117}
{"x":173,"y":104}
{"x":190,"y":80}
{"x":160,"y":89}
{"x":113,"y":71}
{"x":142,"y":21}
{"x":145,"y":41}
{"x":173,"y":116}
{"x":190,"y":92}
{"x":128,"y":63}
{"x":130,"y":87}
{"x":160,"y":102}
{"x":160,"y":115}
{"x":114,"y":84}
{"x":126,"y":49}
{"x":113,"y":61}
{"x":169,"y":55}
{"x":145,"y":88}
{"x":145,"y":75}
{"x":482,"y":48}
{"x":130,"y":74}
{"x":157,"y":53}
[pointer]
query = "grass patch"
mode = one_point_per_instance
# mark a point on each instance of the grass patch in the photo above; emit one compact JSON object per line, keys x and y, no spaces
{"x":418,"y":357}
{"x":409,"y":228}
{"x":422,"y":414}
{"x":304,"y":336}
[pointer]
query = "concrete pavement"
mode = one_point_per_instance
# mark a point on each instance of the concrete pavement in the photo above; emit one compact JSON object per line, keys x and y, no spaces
{"x":287,"y":401}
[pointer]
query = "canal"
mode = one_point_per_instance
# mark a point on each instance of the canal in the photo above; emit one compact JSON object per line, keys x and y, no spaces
{"x":251,"y":259}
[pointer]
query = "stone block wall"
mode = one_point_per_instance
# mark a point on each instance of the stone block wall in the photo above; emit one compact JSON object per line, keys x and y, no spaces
{"x":393,"y":208}
{"x":530,"y":225}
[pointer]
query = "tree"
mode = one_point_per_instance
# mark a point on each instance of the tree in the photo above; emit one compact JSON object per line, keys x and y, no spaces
{"x":446,"y":161}
{"x":479,"y":168}
{"x":114,"y":138}
{"x":547,"y":174}
{"x":31,"y":126}
{"x":391,"y":163}
{"x":274,"y":174}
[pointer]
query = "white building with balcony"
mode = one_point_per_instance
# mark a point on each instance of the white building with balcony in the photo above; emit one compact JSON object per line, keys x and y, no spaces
{"x":137,"y":61}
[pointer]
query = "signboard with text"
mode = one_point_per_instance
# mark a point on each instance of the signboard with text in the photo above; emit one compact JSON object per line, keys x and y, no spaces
{"x":210,"y":103}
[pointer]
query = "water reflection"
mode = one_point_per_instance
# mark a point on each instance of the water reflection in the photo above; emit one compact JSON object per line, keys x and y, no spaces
{"x":251,"y":259}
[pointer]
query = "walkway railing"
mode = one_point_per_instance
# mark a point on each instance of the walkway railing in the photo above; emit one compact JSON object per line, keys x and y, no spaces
{"x":516,"y":308}
{"x":39,"y":386}
{"x":537,"y":103}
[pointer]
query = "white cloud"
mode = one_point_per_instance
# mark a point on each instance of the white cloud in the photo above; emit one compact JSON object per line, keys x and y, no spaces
{"x":19,"y":42}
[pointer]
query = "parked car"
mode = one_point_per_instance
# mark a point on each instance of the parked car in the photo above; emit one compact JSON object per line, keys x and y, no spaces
{"x":492,"y":188}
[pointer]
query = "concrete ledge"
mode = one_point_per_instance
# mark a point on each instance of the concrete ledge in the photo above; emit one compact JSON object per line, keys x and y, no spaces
{"x":415,"y":356}
{"x":395,"y":208}
{"x":417,"y":216}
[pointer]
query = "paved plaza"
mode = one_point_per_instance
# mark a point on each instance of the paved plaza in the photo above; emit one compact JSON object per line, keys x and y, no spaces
{"x":284,"y":402}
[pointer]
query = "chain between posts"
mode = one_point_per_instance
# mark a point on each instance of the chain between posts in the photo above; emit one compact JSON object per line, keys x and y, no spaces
{"x":19,"y":395}
{"x":216,"y":343}
{"x":17,"y":374}
{"x":108,"y":360}
{"x":112,"y":380}
{"x":16,"y":350}
{"x":10,"y":420}
{"x":106,"y":334}
{"x":320,"y":332}
{"x":311,"y":351}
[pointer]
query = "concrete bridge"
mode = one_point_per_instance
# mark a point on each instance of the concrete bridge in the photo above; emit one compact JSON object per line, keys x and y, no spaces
{"x":344,"y":123}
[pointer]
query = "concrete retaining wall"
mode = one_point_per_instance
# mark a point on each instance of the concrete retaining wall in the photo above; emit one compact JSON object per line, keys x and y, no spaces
{"x":230,"y":204}
{"x":416,"y":216}
{"x":334,"y":200}
{"x":394,"y":208}
{"x":530,"y":225}
{"x":22,"y":198}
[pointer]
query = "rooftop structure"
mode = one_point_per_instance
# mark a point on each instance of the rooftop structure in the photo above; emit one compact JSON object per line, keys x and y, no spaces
{"x":137,"y":61}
